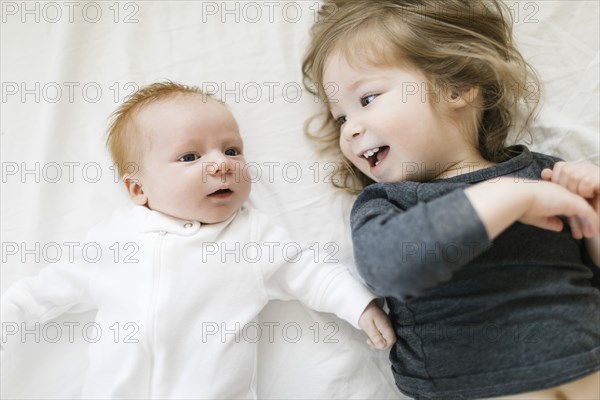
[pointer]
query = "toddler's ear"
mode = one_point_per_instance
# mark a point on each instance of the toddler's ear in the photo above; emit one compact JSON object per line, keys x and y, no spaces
{"x":135,"y":189}
{"x":460,"y":97}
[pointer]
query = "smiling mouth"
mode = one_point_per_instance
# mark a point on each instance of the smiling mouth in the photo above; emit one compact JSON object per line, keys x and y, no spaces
{"x":376,"y":155}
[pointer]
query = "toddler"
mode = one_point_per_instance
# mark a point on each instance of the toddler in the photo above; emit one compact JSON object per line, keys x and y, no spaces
{"x":476,"y":245}
{"x":200,"y":265}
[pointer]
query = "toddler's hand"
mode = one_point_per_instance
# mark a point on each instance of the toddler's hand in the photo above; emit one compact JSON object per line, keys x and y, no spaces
{"x":549,"y":200}
{"x":579,"y":178}
{"x":377,"y":326}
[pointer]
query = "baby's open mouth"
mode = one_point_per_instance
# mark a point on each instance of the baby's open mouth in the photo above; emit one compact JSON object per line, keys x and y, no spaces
{"x":376,"y":155}
{"x":221,"y":192}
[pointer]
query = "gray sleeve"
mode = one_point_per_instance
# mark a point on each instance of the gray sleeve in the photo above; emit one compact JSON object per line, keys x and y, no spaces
{"x":403,"y":249}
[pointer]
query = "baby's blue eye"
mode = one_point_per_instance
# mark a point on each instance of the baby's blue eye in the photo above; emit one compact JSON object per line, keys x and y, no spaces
{"x":189,"y":157}
{"x":365,"y":101}
{"x":231,"y":152}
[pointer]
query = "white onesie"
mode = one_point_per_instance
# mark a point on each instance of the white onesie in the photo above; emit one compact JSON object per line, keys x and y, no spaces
{"x":189,"y":293}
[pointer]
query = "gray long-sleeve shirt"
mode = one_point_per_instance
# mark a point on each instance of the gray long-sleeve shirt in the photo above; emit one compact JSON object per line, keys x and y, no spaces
{"x":476,"y":318}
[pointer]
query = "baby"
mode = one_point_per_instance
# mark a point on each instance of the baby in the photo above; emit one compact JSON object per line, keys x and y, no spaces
{"x":489,"y":295}
{"x":202,"y":262}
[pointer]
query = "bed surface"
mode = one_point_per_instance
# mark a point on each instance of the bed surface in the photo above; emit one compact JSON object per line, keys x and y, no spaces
{"x":65,"y":69}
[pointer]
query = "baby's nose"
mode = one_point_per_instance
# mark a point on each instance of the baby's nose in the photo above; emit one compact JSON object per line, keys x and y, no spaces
{"x":218,"y":164}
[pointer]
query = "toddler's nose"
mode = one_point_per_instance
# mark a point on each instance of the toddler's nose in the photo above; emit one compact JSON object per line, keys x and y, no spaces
{"x":352,"y":130}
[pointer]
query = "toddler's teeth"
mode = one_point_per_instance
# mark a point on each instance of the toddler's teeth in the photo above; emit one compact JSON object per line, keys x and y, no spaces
{"x":369,"y":153}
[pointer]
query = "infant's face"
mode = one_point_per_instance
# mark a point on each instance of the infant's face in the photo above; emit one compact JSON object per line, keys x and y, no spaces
{"x":192,"y":165}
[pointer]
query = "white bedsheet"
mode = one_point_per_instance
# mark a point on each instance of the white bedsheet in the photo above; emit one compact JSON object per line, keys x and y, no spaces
{"x":66,"y":65}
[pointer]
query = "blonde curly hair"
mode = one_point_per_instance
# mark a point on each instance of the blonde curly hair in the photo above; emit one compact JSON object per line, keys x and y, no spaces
{"x":454,"y":43}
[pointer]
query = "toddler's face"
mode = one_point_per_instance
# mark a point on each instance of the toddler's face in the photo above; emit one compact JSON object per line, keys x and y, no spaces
{"x":192,"y":164}
{"x":388,"y":128}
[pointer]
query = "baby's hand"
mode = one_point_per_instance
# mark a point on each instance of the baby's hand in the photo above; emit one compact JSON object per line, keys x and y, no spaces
{"x":377,"y":326}
{"x":579,"y":178}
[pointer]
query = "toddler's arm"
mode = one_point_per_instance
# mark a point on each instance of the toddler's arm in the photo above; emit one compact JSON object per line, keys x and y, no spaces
{"x":584,"y":180}
{"x":403,"y":246}
{"x":501,"y":203}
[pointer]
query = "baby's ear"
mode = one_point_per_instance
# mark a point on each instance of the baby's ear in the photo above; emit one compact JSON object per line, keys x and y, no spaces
{"x":461,"y":96}
{"x":135,"y":189}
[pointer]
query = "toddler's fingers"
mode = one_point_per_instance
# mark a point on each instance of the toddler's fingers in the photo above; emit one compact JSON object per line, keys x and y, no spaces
{"x":564,"y":176}
{"x":591,"y":222}
{"x":580,"y":178}
{"x":557,"y":171}
{"x":576,"y":228}
{"x":567,"y":176}
{"x":583,"y":182}
{"x":590,"y":230}
{"x":589,"y":226}
{"x":550,"y":223}
{"x":583,"y":229}
{"x":595,"y":203}
{"x":580,"y":208}
{"x":588,"y":187}
{"x":547,"y":174}
{"x":571,"y":182}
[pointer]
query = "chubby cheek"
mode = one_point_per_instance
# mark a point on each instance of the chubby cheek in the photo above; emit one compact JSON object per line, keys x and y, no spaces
{"x":242,"y":191}
{"x":242,"y":178}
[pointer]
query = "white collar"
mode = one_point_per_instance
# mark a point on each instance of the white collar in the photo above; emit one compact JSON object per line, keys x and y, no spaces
{"x":156,"y":221}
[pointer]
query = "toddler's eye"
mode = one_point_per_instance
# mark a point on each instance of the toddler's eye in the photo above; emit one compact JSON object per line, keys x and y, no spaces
{"x":232,"y":152}
{"x":365,"y":101}
{"x":341,"y":120}
{"x":189,"y":157}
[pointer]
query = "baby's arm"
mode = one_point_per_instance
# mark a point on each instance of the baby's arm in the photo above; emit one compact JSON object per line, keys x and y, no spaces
{"x":584,"y":180}
{"x":323,"y":286}
{"x":55,"y":290}
{"x":332,"y":288}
